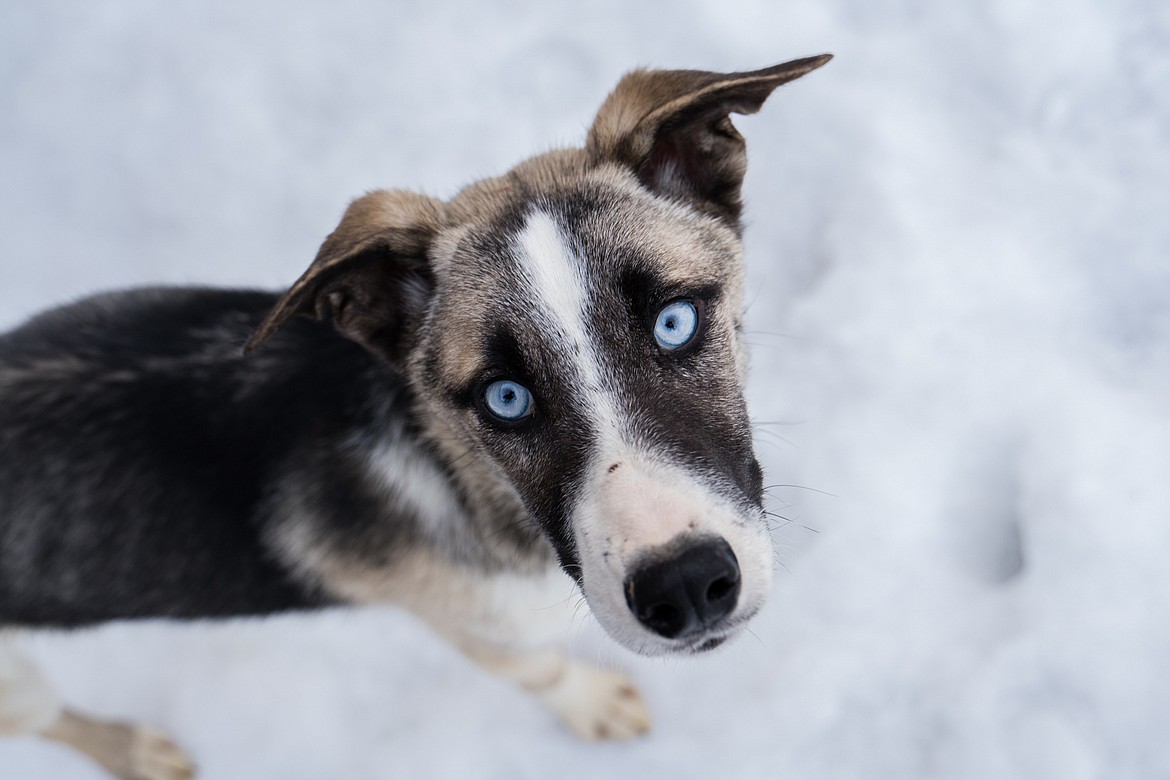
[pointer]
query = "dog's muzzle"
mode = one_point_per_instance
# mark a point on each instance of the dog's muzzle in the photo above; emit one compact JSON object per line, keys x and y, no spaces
{"x":680,"y":594}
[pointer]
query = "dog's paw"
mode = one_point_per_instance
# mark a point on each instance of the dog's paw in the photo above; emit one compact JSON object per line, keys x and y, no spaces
{"x":152,"y":756}
{"x":597,"y":704}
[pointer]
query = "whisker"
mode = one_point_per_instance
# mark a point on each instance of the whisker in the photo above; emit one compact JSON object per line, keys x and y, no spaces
{"x":577,"y":613}
{"x":775,"y":335}
{"x":801,"y":487}
{"x":788,"y":521}
{"x":754,"y":345}
{"x":780,"y":563}
{"x":776,"y":438}
{"x":784,"y":445}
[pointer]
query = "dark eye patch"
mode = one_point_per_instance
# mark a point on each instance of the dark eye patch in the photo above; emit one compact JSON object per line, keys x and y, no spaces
{"x":502,"y":359}
{"x":502,"y":352}
{"x":648,"y":293}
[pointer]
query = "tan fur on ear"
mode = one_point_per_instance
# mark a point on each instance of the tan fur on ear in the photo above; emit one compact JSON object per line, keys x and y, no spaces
{"x":671,"y":128}
{"x":383,"y":237}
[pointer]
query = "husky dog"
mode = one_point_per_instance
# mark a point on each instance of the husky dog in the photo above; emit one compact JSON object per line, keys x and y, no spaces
{"x":453,"y":399}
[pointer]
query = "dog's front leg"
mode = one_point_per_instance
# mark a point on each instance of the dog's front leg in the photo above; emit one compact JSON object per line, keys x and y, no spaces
{"x":593,"y":703}
{"x":510,"y":625}
{"x":28,"y":705}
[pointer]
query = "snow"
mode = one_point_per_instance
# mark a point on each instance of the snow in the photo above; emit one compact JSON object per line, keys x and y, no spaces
{"x":959,"y":256}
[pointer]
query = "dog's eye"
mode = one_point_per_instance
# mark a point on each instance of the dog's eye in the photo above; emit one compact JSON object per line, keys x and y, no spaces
{"x":507,"y":400}
{"x":676,"y":324}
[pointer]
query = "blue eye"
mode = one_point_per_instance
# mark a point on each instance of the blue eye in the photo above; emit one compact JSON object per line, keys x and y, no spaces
{"x":676,"y":324}
{"x":508,"y":400}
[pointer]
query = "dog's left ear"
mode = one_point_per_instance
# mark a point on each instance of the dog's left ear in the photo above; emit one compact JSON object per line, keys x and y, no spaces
{"x":371,"y":277}
{"x":671,"y":127}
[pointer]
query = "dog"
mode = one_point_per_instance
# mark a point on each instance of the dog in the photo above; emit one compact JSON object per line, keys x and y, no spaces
{"x":457,"y":405}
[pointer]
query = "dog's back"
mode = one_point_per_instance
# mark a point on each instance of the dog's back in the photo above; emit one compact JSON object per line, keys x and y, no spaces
{"x":117,"y":412}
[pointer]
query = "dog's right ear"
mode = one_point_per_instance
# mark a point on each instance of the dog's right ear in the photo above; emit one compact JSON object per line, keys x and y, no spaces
{"x":672,"y":129}
{"x":370,"y":277}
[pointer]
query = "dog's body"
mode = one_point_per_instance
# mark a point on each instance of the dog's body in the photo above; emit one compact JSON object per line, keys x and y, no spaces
{"x":548,"y":368}
{"x":139,"y":409}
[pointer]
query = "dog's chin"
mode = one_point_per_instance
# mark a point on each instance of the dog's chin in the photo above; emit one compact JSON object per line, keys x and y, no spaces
{"x":645,"y":643}
{"x":697,"y":645}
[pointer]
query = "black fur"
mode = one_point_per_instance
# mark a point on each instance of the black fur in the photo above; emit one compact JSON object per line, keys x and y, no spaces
{"x":141,"y":451}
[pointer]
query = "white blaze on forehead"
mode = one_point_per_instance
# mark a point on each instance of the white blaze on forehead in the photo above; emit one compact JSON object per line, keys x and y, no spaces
{"x":635,"y":498}
{"x":560,"y":291}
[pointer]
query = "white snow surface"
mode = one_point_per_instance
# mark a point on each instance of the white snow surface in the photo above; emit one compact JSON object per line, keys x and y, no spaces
{"x":959,"y":250}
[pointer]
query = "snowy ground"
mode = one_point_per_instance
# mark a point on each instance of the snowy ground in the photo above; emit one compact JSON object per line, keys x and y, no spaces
{"x":960,"y":250}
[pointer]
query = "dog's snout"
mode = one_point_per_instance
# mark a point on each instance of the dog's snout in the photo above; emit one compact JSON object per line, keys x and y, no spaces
{"x":685,"y":593}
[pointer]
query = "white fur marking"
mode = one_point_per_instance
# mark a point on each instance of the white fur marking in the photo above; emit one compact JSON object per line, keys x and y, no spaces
{"x":414,"y":482}
{"x":557,"y":281}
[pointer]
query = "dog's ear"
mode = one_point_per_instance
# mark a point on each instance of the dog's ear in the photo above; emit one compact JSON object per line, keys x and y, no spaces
{"x":371,"y":277}
{"x":671,"y":127}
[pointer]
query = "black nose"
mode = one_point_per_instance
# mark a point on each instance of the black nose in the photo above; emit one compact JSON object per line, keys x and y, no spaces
{"x":686,"y":592}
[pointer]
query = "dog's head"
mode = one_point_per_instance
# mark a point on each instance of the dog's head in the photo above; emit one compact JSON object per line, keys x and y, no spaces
{"x":575,"y":325}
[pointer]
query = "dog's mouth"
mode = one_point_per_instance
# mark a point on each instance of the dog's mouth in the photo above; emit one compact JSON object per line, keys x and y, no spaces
{"x":705,"y":643}
{"x":709,"y":644}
